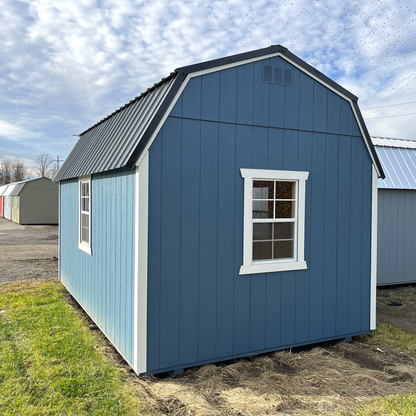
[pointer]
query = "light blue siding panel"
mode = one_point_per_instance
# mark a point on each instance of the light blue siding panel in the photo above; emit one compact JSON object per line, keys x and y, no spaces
{"x":343,"y":237}
{"x":154,"y":247}
{"x":228,"y":92}
{"x":225,"y":263}
{"x":401,"y":224}
{"x":84,"y":275}
{"x":189,"y":254}
{"x":330,"y":235}
{"x":317,"y":235}
{"x":245,"y":93}
{"x":356,"y":213}
{"x":170,"y":247}
{"x":241,"y":313}
{"x":211,"y":96}
{"x":208,"y":224}
{"x":192,"y":99}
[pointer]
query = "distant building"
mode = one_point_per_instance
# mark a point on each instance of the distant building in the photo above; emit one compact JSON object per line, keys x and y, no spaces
{"x":396,"y":211}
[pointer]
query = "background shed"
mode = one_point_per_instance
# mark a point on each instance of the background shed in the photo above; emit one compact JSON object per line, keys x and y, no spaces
{"x":35,"y":201}
{"x":2,"y":191}
{"x":396,"y":211}
{"x":7,"y":203}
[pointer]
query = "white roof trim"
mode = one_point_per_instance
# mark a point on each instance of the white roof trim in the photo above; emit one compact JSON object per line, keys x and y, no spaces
{"x":386,"y":142}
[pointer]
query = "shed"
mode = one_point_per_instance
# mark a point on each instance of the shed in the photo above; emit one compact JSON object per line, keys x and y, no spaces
{"x":396,"y":211}
{"x":2,"y":191}
{"x":35,"y":201}
{"x":228,"y":211}
{"x":7,"y":200}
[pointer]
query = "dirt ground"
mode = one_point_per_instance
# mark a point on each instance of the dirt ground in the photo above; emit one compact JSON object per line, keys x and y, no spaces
{"x":325,"y":379}
{"x":27,"y":252}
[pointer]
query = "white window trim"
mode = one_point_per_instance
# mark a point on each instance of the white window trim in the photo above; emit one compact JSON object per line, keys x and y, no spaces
{"x":299,"y":263}
{"x":81,"y":245}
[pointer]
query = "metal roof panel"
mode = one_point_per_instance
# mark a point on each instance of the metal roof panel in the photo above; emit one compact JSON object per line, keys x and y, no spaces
{"x":398,"y":158}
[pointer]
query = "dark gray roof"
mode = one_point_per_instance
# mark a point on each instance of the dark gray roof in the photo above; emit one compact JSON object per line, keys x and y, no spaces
{"x":118,"y":140}
{"x":398,"y":158}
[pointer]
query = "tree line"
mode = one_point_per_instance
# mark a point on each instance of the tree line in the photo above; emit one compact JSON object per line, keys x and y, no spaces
{"x":15,"y":170}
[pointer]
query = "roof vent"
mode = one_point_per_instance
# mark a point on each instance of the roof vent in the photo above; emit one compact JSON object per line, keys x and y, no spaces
{"x":278,"y":76}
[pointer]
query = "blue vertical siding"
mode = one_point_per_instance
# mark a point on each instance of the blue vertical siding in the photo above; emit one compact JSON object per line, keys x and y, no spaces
{"x":103,"y":283}
{"x":200,"y":309}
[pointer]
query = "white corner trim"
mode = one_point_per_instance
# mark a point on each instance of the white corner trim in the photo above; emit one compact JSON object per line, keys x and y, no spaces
{"x":374,"y":213}
{"x":59,"y":230}
{"x":140,"y":265}
{"x":299,"y":263}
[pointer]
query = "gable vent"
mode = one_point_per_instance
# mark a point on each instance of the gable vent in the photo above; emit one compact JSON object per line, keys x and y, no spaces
{"x":278,"y":76}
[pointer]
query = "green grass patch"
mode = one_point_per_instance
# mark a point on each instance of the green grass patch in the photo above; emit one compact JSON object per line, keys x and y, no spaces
{"x":51,"y":363}
{"x":395,"y":405}
{"x":391,"y":335}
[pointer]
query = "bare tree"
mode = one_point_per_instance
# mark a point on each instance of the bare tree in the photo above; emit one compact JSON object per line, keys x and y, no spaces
{"x":5,"y":170}
{"x":43,"y":165}
{"x":54,"y":170}
{"x":19,"y":171}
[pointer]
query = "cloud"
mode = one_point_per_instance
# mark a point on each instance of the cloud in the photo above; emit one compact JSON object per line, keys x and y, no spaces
{"x":66,"y":65}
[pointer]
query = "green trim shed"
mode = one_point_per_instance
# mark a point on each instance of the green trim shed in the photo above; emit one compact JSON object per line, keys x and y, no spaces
{"x":35,"y":201}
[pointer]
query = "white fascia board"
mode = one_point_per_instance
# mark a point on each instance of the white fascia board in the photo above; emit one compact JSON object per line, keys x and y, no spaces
{"x":247,"y":61}
{"x":374,"y":212}
{"x":140,"y":265}
{"x":385,"y":142}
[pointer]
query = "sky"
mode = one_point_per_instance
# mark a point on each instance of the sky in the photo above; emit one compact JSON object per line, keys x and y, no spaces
{"x":66,"y":65}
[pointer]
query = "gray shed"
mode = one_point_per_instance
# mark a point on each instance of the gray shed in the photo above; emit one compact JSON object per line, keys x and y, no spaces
{"x":35,"y":201}
{"x":396,"y":211}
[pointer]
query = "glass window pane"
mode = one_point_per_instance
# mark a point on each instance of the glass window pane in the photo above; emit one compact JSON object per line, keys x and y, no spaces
{"x":285,"y":209}
{"x":263,"y":189}
{"x":262,"y":209}
{"x":85,"y":228}
{"x":283,"y":230}
{"x":262,"y":251}
{"x":85,"y":189}
{"x":86,"y":204}
{"x":285,"y":190}
{"x":283,"y":250}
{"x":262,"y":231}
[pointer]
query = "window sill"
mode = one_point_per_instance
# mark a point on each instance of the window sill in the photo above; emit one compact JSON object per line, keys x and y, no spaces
{"x":272,"y":267}
{"x":85,"y":248}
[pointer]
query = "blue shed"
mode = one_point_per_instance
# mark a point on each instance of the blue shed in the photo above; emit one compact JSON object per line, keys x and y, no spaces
{"x":227,"y":211}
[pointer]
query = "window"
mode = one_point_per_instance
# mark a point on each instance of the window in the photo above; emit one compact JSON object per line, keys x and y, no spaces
{"x":274,"y":220}
{"x":84,"y":242}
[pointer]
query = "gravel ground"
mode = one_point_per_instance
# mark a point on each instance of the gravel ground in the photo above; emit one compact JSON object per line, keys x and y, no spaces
{"x":27,"y":252}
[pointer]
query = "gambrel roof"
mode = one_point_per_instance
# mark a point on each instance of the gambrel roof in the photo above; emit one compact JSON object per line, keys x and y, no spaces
{"x":118,"y":140}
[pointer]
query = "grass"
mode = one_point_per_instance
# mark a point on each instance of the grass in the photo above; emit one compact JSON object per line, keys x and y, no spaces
{"x":51,"y":363}
{"x":391,"y":335}
{"x":395,"y":405}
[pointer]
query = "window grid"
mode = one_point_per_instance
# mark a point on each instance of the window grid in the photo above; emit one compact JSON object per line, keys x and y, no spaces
{"x":275,"y":219}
